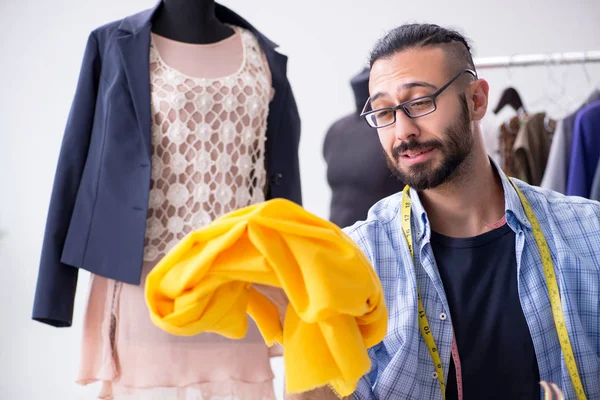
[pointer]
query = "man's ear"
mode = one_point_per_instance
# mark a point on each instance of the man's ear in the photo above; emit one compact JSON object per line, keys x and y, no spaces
{"x":479,"y":91}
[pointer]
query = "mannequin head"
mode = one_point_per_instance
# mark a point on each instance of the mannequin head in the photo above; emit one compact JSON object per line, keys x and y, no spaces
{"x":360,"y":87}
{"x":438,"y":143}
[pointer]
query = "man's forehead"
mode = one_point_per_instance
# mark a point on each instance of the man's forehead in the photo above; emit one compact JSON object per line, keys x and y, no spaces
{"x":422,"y":64}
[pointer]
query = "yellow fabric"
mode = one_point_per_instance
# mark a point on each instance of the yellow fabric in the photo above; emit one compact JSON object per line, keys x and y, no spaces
{"x":336,"y":307}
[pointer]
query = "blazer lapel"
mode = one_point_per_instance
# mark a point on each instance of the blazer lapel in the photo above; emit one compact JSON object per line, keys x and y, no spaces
{"x":135,"y":54}
{"x":278,"y":66}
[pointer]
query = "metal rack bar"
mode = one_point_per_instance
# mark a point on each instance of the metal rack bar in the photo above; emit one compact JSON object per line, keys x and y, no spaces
{"x":528,"y":60}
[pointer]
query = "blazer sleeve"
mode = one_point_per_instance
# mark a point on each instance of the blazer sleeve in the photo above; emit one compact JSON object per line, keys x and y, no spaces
{"x":56,"y":283}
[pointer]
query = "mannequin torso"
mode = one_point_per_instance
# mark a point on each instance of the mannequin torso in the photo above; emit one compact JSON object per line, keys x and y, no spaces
{"x":189,"y":21}
{"x":350,"y":142}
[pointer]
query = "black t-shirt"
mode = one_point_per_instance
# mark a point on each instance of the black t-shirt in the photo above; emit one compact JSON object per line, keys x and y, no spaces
{"x":494,"y":344}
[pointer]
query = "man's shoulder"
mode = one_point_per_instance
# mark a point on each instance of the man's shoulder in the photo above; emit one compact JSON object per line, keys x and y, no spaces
{"x":556,"y":200}
{"x":563,"y":213}
{"x":379,"y":216}
{"x":380,"y":227}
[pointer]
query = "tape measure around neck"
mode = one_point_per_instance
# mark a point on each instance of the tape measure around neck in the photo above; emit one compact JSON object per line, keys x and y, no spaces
{"x":423,"y":323}
{"x":554,"y":294}
{"x":551,"y":285}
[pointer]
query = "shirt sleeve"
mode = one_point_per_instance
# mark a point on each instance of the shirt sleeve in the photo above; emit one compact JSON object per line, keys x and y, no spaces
{"x":365,"y":388}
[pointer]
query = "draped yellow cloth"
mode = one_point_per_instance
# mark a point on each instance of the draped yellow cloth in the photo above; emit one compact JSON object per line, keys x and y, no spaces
{"x":336,"y":307}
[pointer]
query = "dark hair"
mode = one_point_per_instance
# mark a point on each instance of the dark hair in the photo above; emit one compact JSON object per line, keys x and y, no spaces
{"x":412,"y":36}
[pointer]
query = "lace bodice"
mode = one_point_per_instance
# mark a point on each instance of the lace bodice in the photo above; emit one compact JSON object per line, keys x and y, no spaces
{"x":208,"y":142}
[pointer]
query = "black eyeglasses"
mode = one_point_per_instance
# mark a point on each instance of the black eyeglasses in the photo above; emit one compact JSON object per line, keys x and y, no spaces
{"x":413,"y":108}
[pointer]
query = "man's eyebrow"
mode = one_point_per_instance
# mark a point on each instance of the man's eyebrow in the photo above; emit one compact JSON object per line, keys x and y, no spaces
{"x":411,"y":85}
{"x":405,"y":86}
{"x":378,"y":95}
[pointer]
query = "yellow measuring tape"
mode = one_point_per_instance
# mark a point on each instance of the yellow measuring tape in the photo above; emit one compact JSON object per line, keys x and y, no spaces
{"x":423,"y":323}
{"x":551,"y":285}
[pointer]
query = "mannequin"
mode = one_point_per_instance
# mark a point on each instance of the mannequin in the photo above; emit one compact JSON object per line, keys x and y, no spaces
{"x":200,"y":132}
{"x":350,"y":142}
{"x":174,"y":113}
{"x":189,"y":21}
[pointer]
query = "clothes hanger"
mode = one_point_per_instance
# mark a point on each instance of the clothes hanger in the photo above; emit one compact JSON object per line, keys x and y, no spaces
{"x":588,"y":87}
{"x":547,"y":100}
{"x":567,"y":100}
{"x":590,"y":84}
{"x":586,"y":72}
{"x":555,"y":100}
{"x":510,"y":96}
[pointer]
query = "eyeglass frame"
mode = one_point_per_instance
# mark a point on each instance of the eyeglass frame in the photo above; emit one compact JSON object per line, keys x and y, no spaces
{"x":402,"y":106}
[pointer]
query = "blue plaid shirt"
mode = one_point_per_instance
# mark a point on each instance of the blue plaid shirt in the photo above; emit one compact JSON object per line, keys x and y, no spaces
{"x":401,"y":365}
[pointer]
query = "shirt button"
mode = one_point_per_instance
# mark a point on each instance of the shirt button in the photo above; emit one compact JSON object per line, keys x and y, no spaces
{"x":443,"y":316}
{"x":434,"y":375}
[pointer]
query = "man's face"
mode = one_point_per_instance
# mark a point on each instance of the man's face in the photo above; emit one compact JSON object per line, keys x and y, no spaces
{"x":423,"y":152}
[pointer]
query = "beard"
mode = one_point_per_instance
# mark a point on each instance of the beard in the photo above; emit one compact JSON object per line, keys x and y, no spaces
{"x":455,"y":148}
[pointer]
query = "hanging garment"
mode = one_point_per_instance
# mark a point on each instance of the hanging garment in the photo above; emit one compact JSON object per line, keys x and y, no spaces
{"x":585,"y":151}
{"x":209,"y":122}
{"x":531,"y":148}
{"x":336,"y":307}
{"x":98,"y":208}
{"x":506,"y":138}
{"x":557,"y":168}
{"x":490,"y":133}
{"x":595,"y":191}
{"x":350,"y":142}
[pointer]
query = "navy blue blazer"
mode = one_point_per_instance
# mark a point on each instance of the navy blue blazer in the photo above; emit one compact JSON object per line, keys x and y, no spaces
{"x":99,"y":202}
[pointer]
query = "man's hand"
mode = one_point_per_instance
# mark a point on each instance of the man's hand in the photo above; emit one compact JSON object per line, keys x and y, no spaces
{"x":276,"y":296}
{"x":279,"y":299}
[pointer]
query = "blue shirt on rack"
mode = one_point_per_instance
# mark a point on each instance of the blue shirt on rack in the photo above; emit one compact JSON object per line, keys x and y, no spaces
{"x":585,"y":151}
{"x":401,"y":364}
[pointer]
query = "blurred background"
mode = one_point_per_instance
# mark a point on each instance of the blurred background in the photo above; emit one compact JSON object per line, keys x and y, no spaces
{"x":327,"y":42}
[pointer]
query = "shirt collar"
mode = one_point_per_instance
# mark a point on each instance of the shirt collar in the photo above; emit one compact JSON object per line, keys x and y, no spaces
{"x":515,"y":214}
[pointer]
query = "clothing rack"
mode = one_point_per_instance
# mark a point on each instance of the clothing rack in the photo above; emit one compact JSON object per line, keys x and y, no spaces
{"x":528,"y":60}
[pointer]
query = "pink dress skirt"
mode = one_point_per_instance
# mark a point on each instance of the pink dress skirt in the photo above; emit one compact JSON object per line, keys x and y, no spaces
{"x":136,"y":360}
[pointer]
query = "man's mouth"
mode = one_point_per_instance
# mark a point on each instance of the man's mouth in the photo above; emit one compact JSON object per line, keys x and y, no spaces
{"x":415,"y":153}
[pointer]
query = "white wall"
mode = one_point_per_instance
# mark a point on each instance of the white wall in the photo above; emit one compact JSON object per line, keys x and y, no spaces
{"x":41,"y":45}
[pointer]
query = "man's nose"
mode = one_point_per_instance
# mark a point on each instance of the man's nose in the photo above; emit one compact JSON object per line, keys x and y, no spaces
{"x":405,"y":127}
